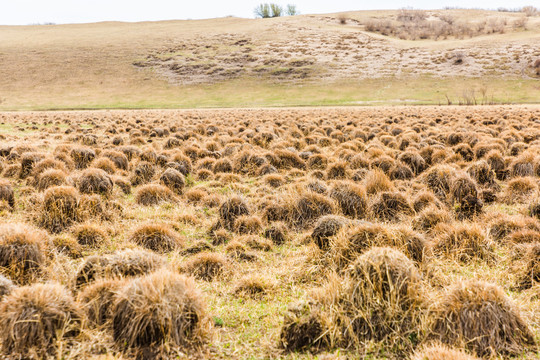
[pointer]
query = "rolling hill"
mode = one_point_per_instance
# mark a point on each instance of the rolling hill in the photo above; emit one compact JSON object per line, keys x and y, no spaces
{"x":358,"y":58}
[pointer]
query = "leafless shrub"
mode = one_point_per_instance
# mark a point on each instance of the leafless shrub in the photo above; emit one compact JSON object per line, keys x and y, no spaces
{"x":520,"y":23}
{"x":343,"y":18}
{"x":530,"y":10}
{"x":411,"y":15}
{"x":495,"y":25}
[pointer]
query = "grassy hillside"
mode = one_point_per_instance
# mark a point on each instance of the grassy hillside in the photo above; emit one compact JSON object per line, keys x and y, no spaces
{"x":302,"y":60}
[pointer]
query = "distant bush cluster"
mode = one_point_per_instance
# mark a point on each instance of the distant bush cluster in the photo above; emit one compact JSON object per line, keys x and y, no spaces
{"x":271,"y":10}
{"x":528,"y":10}
{"x":415,"y":25}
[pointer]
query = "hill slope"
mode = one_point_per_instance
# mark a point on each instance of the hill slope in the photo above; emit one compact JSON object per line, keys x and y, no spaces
{"x":302,"y":60}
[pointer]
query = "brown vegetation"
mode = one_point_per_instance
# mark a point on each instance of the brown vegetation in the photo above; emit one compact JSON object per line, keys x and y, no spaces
{"x":310,"y":232}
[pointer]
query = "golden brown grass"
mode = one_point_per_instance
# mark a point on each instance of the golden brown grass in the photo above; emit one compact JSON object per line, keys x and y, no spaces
{"x":314,"y":267}
{"x":159,"y":308}
{"x":34,"y":317}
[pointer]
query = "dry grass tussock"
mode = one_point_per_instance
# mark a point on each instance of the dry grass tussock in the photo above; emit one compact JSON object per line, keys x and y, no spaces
{"x":35,"y":316}
{"x":159,"y":308}
{"x":399,"y":233}
{"x":480,"y":317}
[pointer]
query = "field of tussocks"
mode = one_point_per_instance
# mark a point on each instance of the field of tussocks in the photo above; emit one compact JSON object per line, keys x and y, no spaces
{"x":330,"y":233}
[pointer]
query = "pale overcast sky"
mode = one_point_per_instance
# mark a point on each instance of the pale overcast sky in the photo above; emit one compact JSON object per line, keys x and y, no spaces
{"x":23,"y":12}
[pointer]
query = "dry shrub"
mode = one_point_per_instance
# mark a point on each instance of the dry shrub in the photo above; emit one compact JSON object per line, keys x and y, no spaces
{"x":157,"y":237}
{"x":429,"y":218}
{"x":462,"y":187}
{"x":123,"y":184}
{"x":350,"y":243}
{"x":6,"y":193}
{"x":463,"y":242}
{"x":376,"y":181}
{"x":248,"y":224}
{"x":383,"y":163}
{"x":197,"y":247}
{"x":126,"y":263}
{"x":464,"y":151}
{"x":89,"y":234}
{"x":277,"y":232}
{"x":317,"y":161}
{"x":439,"y":179}
{"x":50,"y":178}
{"x":66,"y":244}
{"x":159,"y":308}
{"x":174,"y":180}
{"x":441,"y":352}
{"x":464,"y":197}
{"x":317,"y":186}
{"x":247,"y":162}
{"x":497,"y":164}
{"x":204,"y":174}
{"x":95,"y":207}
{"x":502,"y":226}
{"x":104,"y":164}
{"x":12,"y":170}
{"x":28,"y":161}
{"x":206,"y":266}
{"x":482,"y":173}
{"x":211,"y":200}
{"x":337,"y":170}
{"x":47,"y":164}
{"x":220,"y":236}
{"x":237,"y":250}
{"x":401,"y":172}
{"x":536,"y":67}
{"x":257,"y":243}
{"x":119,"y":159}
{"x":413,"y":244}
{"x":303,"y":211}
{"x":188,"y":219}
{"x":488,"y":196}
{"x":274,"y":180}
{"x":326,"y":227}
{"x":196,"y":195}
{"x":528,"y":273}
{"x":351,"y":198}
{"x":222,"y":166}
{"x":143,"y":173}
{"x":524,"y":236}
{"x":181,"y":163}
{"x":254,"y":286}
{"x":520,"y":190}
{"x":95,"y":181}
{"x":97,"y":300}
{"x":480,"y":317}
{"x":391,"y":206}
{"x":230,"y":210}
{"x":414,"y":161}
{"x":384,"y":298}
{"x":82,"y":157}
{"x":523,"y":165}
{"x":303,"y":328}
{"x":33,"y":318}
{"x":60,"y":208}
{"x":286,"y":159}
{"x":22,"y":252}
{"x":153,"y":194}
